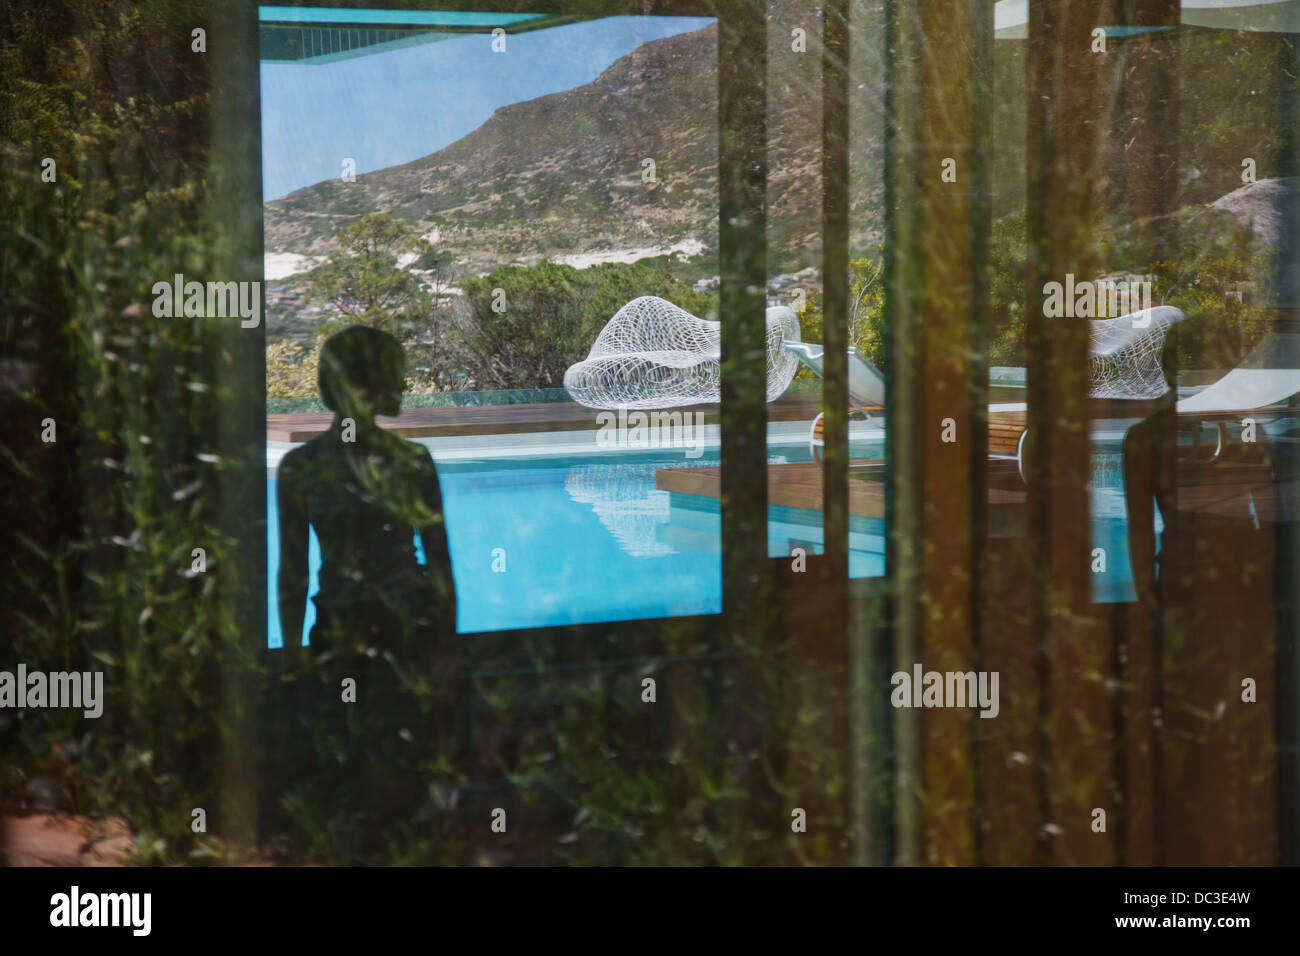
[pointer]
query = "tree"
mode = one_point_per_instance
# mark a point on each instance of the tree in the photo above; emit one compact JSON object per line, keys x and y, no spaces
{"x":385,"y":275}
{"x":291,"y":370}
{"x":866,"y":313}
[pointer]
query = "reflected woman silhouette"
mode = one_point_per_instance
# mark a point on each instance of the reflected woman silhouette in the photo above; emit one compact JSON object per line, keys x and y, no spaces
{"x":366,"y":492}
{"x":383,"y":620}
{"x":1150,"y":454}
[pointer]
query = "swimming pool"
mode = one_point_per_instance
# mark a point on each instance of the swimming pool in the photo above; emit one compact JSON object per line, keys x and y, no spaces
{"x":543,"y":540}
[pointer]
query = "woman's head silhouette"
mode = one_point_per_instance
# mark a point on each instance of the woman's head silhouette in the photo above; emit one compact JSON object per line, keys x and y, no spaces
{"x":361,"y":373}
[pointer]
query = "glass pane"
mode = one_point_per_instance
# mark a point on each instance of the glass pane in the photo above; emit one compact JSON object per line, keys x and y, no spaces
{"x":501,"y":193}
{"x":993,"y":562}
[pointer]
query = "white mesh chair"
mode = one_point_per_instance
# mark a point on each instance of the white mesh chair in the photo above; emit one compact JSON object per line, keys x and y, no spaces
{"x":653,"y":354}
{"x":625,"y":499}
{"x":1124,"y":354}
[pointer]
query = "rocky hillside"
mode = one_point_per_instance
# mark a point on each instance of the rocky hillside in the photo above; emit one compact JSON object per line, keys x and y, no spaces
{"x":561,"y":175}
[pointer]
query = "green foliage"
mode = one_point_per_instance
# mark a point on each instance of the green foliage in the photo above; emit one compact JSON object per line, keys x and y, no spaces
{"x":521,"y":328}
{"x":866,"y":313}
{"x":100,"y":577}
{"x":552,"y":314}
{"x":1008,"y":278}
{"x":613,"y":285}
{"x":291,"y":369}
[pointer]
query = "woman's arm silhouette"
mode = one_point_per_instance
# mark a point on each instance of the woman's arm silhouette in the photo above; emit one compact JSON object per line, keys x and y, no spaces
{"x":292,"y":581}
{"x":433,"y":537}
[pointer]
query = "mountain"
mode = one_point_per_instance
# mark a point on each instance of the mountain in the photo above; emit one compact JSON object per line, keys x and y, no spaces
{"x":562,"y":175}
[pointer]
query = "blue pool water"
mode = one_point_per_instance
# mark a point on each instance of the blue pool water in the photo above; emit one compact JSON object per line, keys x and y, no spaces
{"x":579,"y":540}
{"x":584,"y":540}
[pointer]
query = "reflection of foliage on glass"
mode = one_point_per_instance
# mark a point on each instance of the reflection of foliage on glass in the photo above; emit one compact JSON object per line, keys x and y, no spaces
{"x":103,"y":576}
{"x":1007,"y":265}
{"x":608,"y":777}
{"x":100,"y":573}
{"x":1229,"y":108}
{"x":1212,"y":280}
{"x":1215,"y":281}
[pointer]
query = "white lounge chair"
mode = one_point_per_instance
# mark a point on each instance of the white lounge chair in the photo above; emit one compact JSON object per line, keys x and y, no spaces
{"x":866,"y":386}
{"x":1267,"y":377}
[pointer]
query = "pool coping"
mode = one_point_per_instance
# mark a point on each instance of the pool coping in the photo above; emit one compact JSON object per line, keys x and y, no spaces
{"x":296,"y":427}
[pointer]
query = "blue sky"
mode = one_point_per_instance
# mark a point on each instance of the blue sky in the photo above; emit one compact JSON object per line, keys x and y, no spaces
{"x":389,"y":108}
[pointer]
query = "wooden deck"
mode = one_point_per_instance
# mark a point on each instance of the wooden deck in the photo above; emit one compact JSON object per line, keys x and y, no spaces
{"x":509,"y":419}
{"x":1005,"y":429}
{"x":790,"y":486}
{"x":800,"y":486}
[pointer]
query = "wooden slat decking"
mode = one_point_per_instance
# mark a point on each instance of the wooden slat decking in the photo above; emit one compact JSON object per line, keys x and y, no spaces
{"x":1005,"y":429}
{"x":800,"y":486}
{"x":790,"y":486}
{"x":819,"y":424}
{"x":508,"y":419}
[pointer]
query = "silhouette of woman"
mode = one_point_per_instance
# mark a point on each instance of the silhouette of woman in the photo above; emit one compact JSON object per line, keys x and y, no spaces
{"x":365,"y":492}
{"x":383,"y":619}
